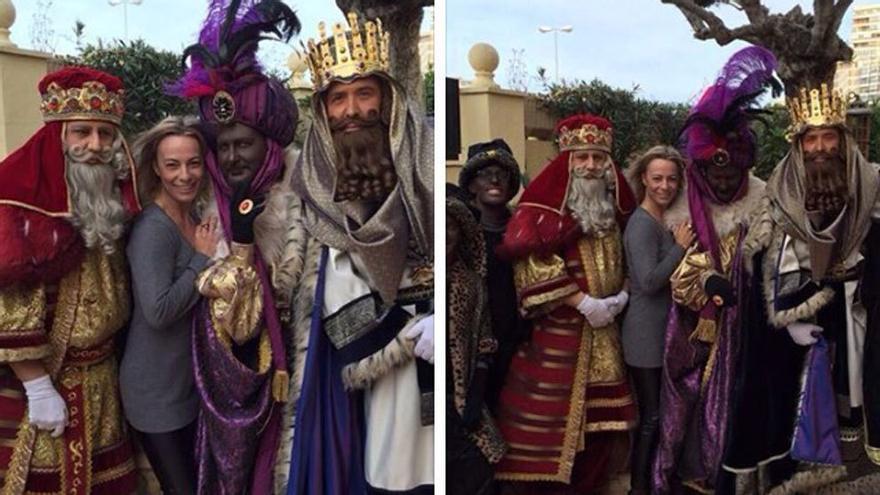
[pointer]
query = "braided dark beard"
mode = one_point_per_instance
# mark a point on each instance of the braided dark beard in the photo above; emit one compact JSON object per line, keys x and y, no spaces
{"x":826,"y":188}
{"x":364,"y":170}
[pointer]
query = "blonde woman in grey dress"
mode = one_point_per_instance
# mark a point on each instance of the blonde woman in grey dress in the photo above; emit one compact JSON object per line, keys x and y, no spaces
{"x":167,"y":249}
{"x":652,"y":254}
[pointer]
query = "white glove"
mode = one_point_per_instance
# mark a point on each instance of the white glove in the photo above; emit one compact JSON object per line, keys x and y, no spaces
{"x":46,"y":408}
{"x":596,"y":311}
{"x":617,"y":302}
{"x":804,"y":333}
{"x":423,"y":333}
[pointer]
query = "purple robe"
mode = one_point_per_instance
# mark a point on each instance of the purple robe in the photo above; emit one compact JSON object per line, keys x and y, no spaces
{"x":694,"y":402}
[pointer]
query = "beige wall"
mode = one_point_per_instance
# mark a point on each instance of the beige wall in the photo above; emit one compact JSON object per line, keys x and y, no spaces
{"x":487,"y":114}
{"x":20,"y":71}
{"x":538,"y":154}
{"x":516,"y":117}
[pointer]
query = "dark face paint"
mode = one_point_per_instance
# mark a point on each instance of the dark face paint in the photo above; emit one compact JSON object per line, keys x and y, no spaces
{"x":241,"y":151}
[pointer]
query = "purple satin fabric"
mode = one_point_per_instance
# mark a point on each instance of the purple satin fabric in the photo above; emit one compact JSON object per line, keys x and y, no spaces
{"x":816,"y":434}
{"x":692,"y":419}
{"x":234,"y":399}
{"x":235,"y":405}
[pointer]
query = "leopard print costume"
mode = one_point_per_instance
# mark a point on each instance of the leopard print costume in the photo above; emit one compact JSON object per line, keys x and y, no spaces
{"x":468,"y":325}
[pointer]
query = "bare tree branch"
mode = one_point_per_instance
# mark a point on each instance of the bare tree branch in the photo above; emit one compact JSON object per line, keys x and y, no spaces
{"x":714,"y":27}
{"x":756,"y":12}
{"x":839,"y":11}
{"x":822,"y":15}
{"x":806,"y":45}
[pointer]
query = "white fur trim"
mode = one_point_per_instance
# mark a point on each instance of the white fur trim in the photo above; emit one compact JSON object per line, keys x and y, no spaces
{"x":724,"y":217}
{"x":399,"y":351}
{"x":805,"y":310}
{"x":808,"y":481}
{"x":298,"y":346}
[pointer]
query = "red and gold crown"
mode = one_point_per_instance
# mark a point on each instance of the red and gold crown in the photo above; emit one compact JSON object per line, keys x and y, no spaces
{"x":81,"y":93}
{"x":347,"y":52}
{"x":584,"y":132}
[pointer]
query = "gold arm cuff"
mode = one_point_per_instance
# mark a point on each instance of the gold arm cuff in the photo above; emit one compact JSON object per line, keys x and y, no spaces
{"x":25,"y":353}
{"x":22,"y":308}
{"x":532,"y":302}
{"x":534,"y":270}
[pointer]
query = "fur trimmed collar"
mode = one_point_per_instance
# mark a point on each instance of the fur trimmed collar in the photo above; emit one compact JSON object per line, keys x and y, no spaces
{"x":725,"y":217}
{"x":277,"y":224}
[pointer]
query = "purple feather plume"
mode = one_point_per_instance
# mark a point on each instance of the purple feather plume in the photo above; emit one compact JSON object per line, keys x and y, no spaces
{"x":723,"y":108}
{"x":225,"y":56}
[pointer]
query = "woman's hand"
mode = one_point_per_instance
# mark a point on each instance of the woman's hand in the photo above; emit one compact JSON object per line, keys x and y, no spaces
{"x":684,"y":235}
{"x":207,"y":236}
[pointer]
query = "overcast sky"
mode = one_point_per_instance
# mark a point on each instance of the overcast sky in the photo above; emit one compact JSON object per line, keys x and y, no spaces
{"x":622,"y":42}
{"x":168,"y":24}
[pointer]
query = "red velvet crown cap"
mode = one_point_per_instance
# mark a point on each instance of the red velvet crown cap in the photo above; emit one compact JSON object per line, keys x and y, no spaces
{"x":75,"y":77}
{"x":582,"y":119}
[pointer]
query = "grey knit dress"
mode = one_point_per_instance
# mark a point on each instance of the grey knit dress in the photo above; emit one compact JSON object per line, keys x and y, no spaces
{"x":651,"y":256}
{"x":155,"y":377}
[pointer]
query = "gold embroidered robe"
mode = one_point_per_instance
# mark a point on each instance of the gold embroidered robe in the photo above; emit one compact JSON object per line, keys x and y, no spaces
{"x":70,"y":327}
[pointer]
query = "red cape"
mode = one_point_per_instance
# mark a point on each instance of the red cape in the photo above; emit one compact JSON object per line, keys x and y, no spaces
{"x":542,"y":225}
{"x":34,"y":177}
{"x":37,"y":243}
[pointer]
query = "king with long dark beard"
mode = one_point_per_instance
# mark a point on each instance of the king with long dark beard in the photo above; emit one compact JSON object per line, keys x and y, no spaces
{"x":64,"y":199}
{"x":566,"y":392}
{"x":361,"y":393}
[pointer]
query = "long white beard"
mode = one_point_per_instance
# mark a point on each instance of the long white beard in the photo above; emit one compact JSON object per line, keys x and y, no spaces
{"x":590,"y":202}
{"x":97,"y":209}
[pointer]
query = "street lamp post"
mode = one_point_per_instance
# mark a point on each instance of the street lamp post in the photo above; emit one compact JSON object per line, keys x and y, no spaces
{"x":114,"y":3}
{"x":555,"y":31}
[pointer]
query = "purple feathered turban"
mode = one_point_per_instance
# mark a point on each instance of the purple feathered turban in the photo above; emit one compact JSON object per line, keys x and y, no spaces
{"x":224,"y":74}
{"x":717,"y":134}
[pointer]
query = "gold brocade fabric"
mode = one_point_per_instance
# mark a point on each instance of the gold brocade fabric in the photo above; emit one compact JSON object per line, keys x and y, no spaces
{"x":606,"y":359}
{"x":541,"y":281}
{"x":22,"y":308}
{"x":104,"y":419}
{"x":602,"y":261}
{"x":92,"y":305}
{"x":688,"y":280}
{"x":22,"y":315}
{"x":236,"y":296}
{"x":103,"y":305}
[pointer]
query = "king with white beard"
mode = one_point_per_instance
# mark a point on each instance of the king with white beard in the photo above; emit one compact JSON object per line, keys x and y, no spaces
{"x":566,"y":395}
{"x":65,"y":196}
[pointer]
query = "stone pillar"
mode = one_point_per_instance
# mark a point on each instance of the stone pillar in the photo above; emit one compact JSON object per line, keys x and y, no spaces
{"x":20,"y":72}
{"x":7,"y":18}
{"x":488,"y":111}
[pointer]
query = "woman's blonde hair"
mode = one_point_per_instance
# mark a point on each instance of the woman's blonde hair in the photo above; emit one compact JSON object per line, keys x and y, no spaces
{"x":639,"y":166}
{"x":146,"y":149}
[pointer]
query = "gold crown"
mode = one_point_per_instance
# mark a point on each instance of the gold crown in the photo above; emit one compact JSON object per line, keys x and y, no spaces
{"x":585,"y":137}
{"x":93,"y":101}
{"x":816,"y":107}
{"x":347,"y":53}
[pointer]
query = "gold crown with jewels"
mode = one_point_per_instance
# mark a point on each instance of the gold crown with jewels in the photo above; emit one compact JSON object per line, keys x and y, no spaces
{"x":816,"y":107}
{"x":585,"y":137}
{"x":92,"y":101}
{"x":348,"y":52}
